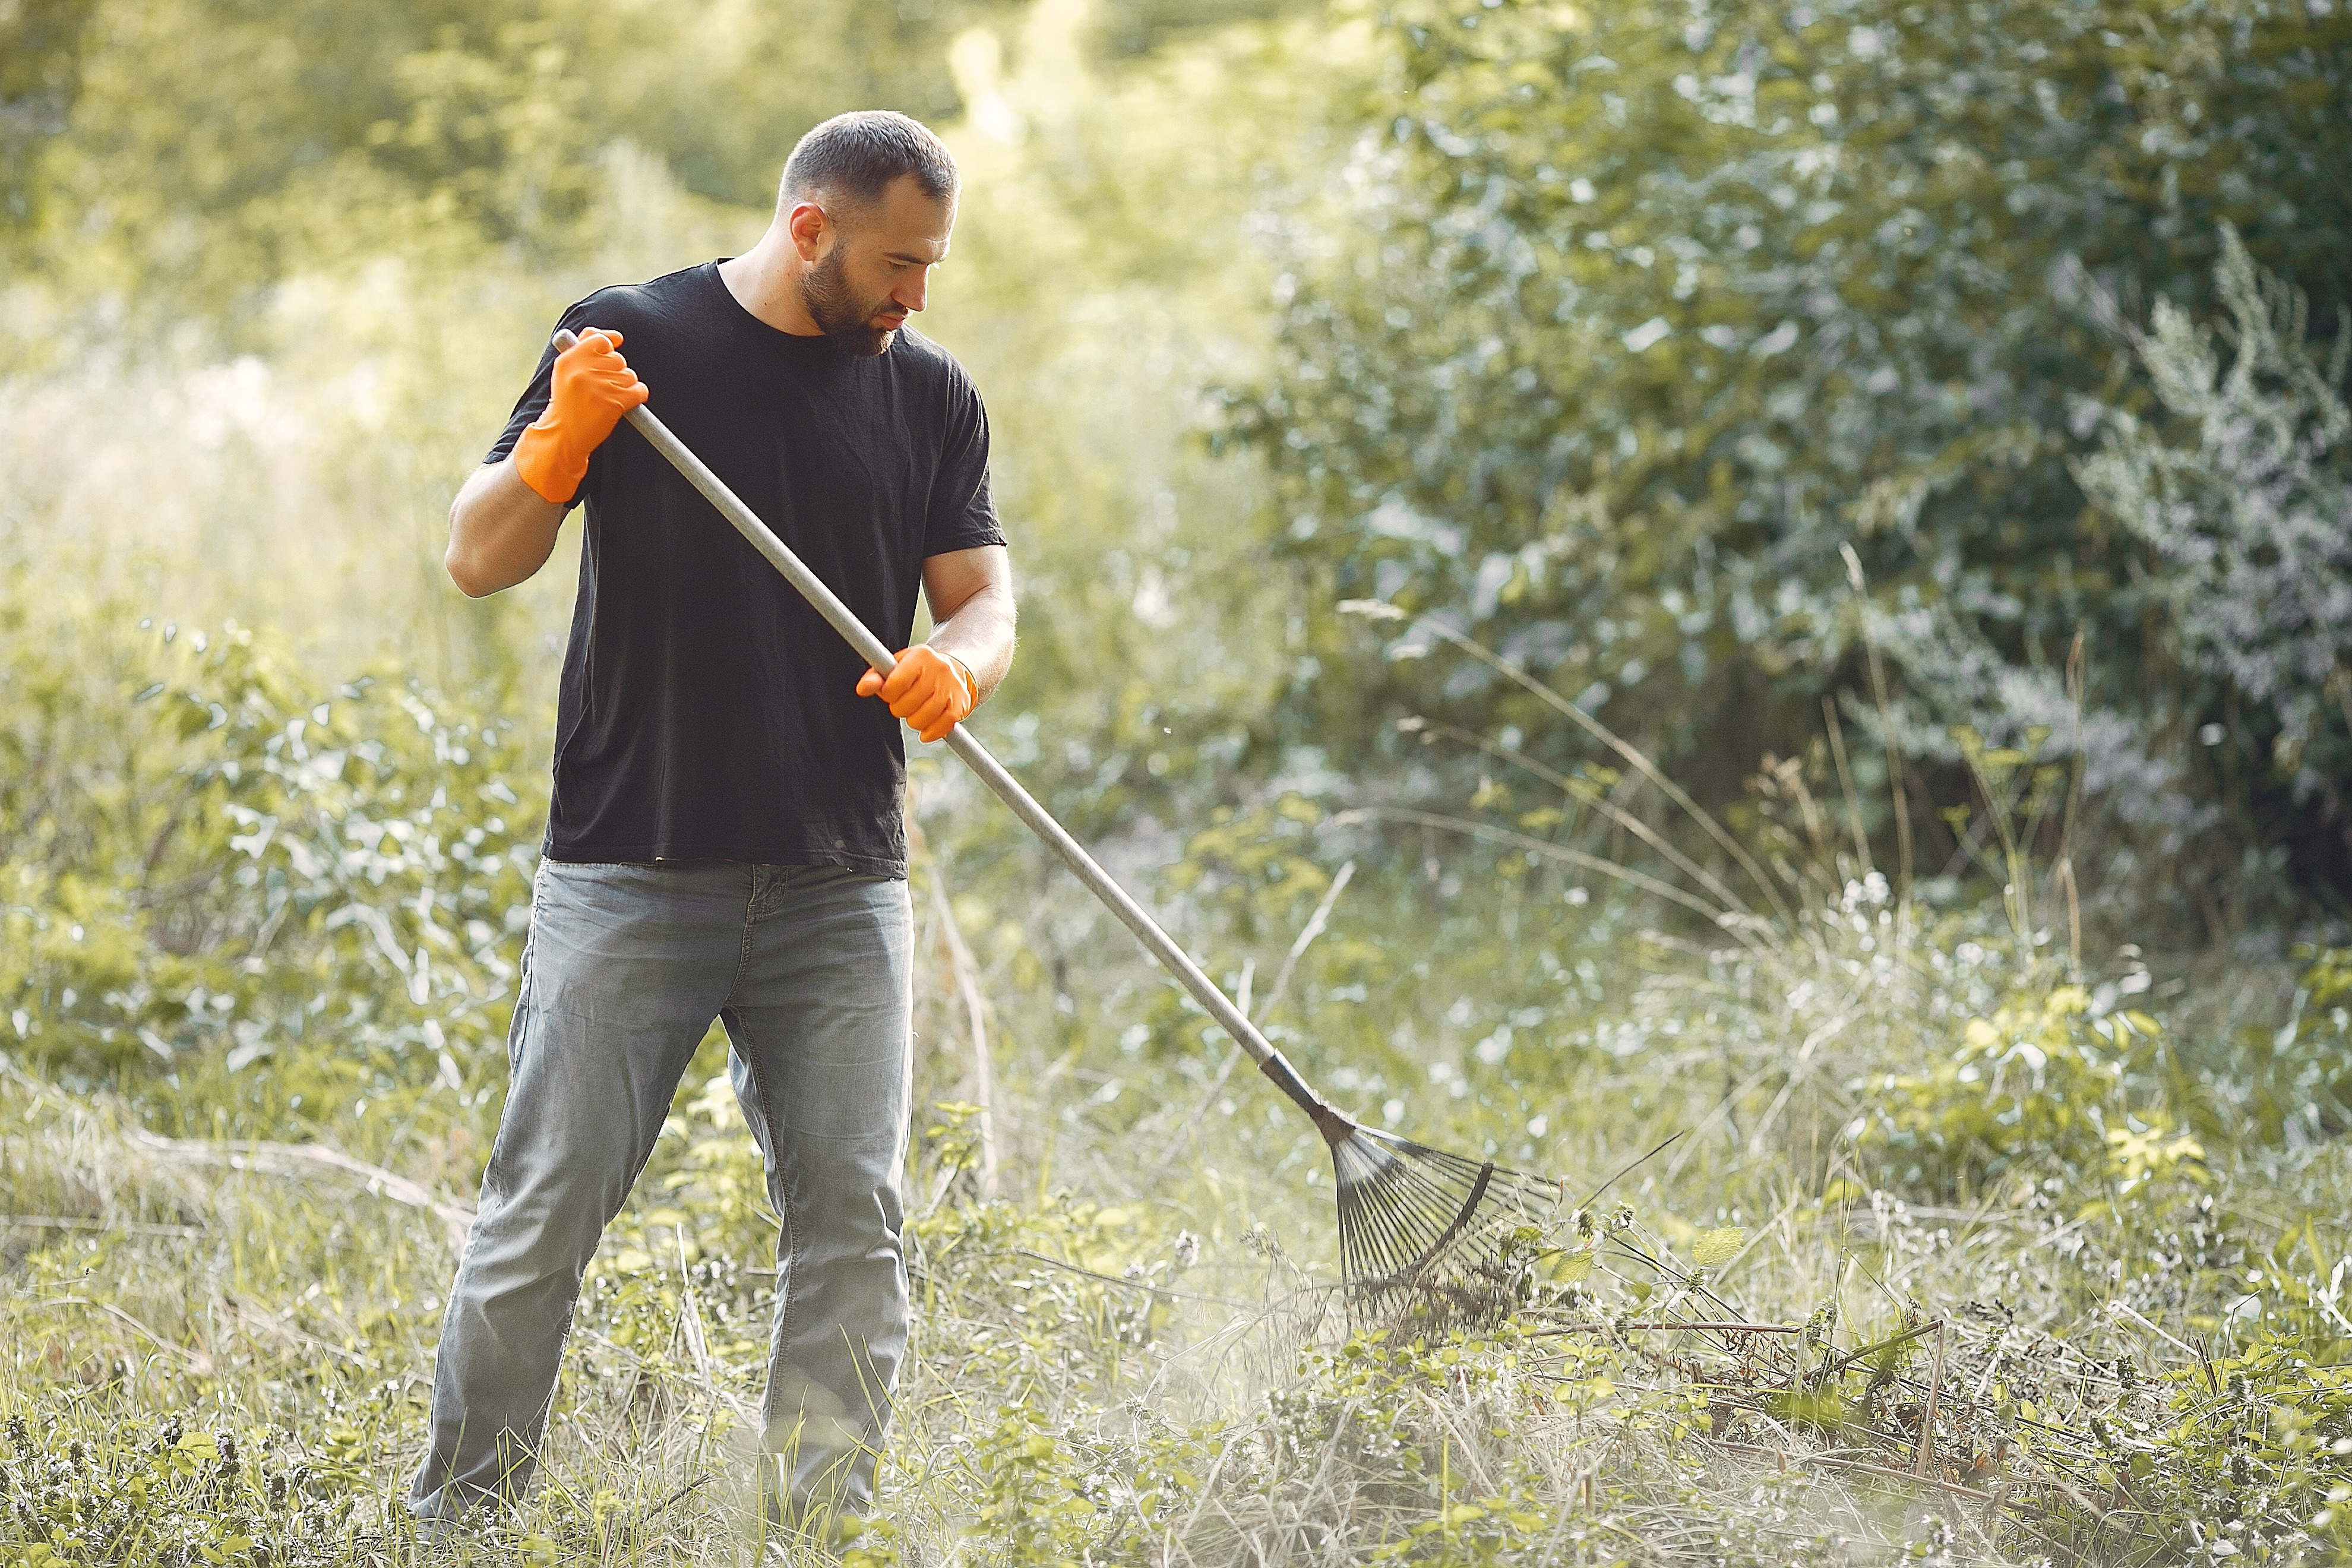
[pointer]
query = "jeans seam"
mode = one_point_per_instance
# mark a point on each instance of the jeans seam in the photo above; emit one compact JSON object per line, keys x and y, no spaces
{"x":520,"y":1027}
{"x":783,"y":1207}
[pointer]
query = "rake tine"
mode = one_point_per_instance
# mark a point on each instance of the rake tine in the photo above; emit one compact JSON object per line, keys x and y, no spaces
{"x":1416,"y":1232}
{"x":1385,"y":1238}
{"x":1386,"y":1241}
{"x":1469,"y":1206}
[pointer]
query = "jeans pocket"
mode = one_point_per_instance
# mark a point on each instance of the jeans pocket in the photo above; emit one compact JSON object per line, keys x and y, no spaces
{"x":517,"y":1025}
{"x":520,"y":1021}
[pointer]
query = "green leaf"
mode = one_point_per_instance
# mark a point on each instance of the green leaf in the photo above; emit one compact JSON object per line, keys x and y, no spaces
{"x":1718,"y":1246}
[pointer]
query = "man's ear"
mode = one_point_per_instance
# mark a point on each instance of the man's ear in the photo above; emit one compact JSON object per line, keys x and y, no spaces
{"x":809,"y":227}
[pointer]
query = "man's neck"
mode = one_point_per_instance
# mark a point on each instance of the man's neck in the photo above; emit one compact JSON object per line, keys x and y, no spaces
{"x":766,"y":281}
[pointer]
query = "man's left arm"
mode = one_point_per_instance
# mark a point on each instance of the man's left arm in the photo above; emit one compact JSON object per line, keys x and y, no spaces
{"x":939,"y":682}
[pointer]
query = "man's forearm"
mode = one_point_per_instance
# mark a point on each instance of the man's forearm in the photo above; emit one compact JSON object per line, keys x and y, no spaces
{"x":501,"y":530}
{"x":979,"y":634}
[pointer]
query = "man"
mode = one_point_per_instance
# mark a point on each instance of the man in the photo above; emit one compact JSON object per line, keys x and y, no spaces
{"x":725,"y":838}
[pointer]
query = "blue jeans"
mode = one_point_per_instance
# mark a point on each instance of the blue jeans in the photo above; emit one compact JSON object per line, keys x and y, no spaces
{"x":808,"y":967}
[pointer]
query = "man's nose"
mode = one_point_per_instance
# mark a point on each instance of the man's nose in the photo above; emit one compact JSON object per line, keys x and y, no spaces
{"x":909,"y":295}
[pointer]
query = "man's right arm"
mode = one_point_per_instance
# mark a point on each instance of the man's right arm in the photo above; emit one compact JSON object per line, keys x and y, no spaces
{"x":502,"y":525}
{"x":501,"y":530}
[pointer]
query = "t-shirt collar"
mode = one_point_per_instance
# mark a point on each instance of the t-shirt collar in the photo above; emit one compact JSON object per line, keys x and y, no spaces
{"x":804,"y":349}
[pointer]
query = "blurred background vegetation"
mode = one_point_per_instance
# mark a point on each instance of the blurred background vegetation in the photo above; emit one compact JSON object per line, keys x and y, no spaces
{"x":1883,"y":470}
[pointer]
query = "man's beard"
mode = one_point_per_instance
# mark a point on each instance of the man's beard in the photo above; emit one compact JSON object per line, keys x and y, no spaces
{"x":824,"y":289}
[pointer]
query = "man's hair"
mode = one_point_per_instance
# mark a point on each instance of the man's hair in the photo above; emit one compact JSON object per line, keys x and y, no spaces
{"x":852,"y":159}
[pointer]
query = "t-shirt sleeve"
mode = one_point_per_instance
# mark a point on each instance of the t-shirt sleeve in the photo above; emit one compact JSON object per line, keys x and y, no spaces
{"x":535,"y":396}
{"x":963,"y":514}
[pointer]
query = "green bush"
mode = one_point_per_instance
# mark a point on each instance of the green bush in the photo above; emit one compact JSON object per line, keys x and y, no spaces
{"x":2041,"y":1086}
{"x":289,"y":901}
{"x":1658,"y":310}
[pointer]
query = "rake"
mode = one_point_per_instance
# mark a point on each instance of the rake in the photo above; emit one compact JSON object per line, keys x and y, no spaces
{"x":1423,"y":1234}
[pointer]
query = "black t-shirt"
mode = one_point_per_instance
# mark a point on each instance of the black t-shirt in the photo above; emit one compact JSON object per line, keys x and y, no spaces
{"x":707,"y":711}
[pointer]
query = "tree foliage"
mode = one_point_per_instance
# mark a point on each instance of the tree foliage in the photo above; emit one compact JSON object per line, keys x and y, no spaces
{"x":185,"y":157}
{"x":1648,"y":312}
{"x":2246,"y":512}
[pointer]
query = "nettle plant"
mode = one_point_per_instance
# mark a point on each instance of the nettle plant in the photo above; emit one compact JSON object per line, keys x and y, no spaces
{"x":2040,"y":1085}
{"x":169,"y":1493}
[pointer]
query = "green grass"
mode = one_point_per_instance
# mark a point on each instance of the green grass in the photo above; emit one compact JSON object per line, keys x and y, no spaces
{"x":2079,"y":1221}
{"x":1214,"y":1413}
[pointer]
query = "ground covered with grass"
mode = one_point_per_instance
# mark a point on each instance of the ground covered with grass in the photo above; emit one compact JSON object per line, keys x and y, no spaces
{"x":223,"y":1354}
{"x":1892,"y":1226}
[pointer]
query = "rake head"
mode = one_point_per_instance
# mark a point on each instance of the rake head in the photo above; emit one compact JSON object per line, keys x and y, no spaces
{"x":1429,"y":1239}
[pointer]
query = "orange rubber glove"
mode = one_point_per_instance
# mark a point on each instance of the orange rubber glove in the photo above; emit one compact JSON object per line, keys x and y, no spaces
{"x":930,"y":690}
{"x":593,"y":387}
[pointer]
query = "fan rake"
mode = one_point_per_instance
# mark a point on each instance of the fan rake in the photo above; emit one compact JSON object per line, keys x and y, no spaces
{"x":1423,"y":1234}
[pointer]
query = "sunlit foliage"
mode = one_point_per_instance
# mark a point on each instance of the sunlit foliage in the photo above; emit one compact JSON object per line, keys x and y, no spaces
{"x":1652,"y":311}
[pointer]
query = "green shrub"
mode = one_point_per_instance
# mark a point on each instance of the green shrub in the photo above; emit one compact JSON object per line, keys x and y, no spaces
{"x":1671,"y":308}
{"x":334,"y":882}
{"x":2041,"y":1086}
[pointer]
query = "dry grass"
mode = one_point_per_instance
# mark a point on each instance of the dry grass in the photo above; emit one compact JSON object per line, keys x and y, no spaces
{"x":1088,"y":1387}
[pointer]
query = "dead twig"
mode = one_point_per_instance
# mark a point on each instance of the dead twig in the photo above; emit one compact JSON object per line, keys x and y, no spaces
{"x":1928,"y":1421}
{"x":60,"y":1221}
{"x":1831,"y":1461}
{"x":298,"y":1159}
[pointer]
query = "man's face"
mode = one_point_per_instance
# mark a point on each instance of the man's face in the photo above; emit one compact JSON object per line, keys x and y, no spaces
{"x":875,"y":269}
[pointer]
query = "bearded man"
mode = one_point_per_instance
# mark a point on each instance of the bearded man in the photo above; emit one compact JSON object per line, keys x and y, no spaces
{"x":725,"y":838}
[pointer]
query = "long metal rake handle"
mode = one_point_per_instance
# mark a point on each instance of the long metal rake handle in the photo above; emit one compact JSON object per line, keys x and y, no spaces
{"x":992,"y":772}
